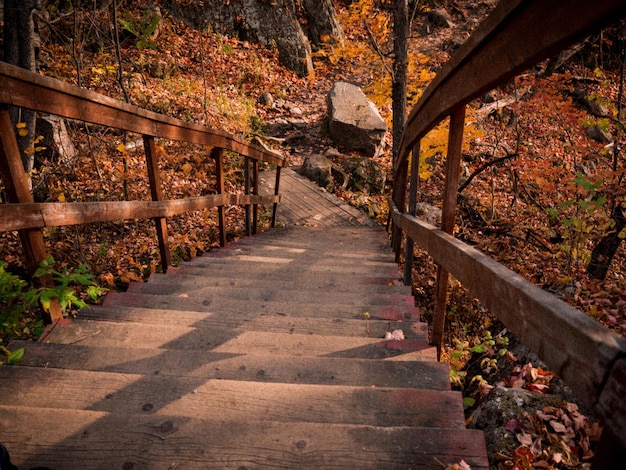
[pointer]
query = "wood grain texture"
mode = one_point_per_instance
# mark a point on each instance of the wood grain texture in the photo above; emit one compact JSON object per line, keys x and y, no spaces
{"x":148,"y":441}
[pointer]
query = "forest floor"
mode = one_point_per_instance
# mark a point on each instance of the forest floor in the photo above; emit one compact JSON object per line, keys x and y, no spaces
{"x":535,"y":198}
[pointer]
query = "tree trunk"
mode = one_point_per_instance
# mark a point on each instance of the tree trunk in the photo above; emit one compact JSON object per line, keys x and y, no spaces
{"x":399,"y":86}
{"x":19,"y":49}
{"x":605,"y":250}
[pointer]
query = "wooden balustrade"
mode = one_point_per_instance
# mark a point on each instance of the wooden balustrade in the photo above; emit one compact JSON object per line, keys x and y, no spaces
{"x":518,"y":35}
{"x":24,"y":89}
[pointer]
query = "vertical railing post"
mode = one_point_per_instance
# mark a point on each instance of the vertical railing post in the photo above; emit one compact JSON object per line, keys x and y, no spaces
{"x":255,"y":191}
{"x":156,"y":192}
{"x":413,"y":185}
{"x":246,"y":177}
{"x":218,"y":155}
{"x":399,"y":197}
{"x":18,"y":191}
{"x":453,"y":163}
{"x":276,"y":193}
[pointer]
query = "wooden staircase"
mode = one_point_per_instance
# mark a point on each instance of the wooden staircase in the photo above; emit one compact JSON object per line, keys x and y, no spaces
{"x":269,"y":353}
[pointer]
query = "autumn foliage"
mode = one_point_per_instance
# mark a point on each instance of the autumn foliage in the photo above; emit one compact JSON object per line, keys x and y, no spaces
{"x":542,"y":170}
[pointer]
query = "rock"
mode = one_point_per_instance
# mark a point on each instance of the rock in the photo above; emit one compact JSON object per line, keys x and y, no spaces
{"x":354,"y":121}
{"x":267,"y":100}
{"x":365,"y":175}
{"x":428,"y":213}
{"x":599,"y":135}
{"x":319,"y":169}
{"x":56,"y":141}
{"x":501,"y":406}
{"x":438,"y":18}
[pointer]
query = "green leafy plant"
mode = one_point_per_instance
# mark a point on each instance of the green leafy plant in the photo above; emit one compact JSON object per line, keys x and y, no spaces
{"x":12,"y":356}
{"x":583,"y":217}
{"x":143,"y":30}
{"x":12,"y":300}
{"x":65,"y":286}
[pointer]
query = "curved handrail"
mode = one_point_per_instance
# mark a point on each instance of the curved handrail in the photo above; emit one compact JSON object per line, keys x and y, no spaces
{"x":516,"y":36}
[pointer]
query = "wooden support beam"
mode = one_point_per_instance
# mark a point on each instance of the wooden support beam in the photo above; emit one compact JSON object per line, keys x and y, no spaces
{"x":246,"y":178}
{"x":218,"y":155}
{"x":453,"y":163}
{"x":399,"y":197}
{"x":17,"y":189}
{"x":255,"y":192}
{"x":156,"y":191}
{"x":276,"y":192}
{"x":413,"y":186}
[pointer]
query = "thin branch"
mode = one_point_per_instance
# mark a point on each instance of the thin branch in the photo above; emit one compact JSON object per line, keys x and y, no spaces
{"x":483,"y":167}
{"x":377,"y":48}
{"x":118,"y":53}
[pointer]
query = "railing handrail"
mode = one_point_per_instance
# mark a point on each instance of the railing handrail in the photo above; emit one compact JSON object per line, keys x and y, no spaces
{"x":577,"y":348}
{"x":40,"y":93}
{"x":516,"y":36}
{"x":25,"y":89}
{"x":590,"y":358}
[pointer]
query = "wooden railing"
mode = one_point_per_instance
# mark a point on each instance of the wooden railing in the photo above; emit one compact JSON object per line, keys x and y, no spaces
{"x":591,"y":359}
{"x":24,"y":89}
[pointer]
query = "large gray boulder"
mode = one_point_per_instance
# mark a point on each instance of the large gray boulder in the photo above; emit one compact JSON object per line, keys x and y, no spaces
{"x":354,"y":121}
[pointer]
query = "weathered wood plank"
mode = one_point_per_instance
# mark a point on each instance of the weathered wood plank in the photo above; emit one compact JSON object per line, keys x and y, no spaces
{"x":299,"y":345}
{"x":566,"y":339}
{"x":229,"y":340}
{"x":225,"y":274}
{"x":253,"y":321}
{"x":223,"y":294}
{"x":58,"y":439}
{"x":258,"y":368}
{"x":55,"y":214}
{"x":312,"y":284}
{"x":294,"y":308}
{"x":229,"y":400}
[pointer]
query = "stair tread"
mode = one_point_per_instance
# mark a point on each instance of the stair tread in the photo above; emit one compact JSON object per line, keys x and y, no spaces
{"x":251,"y":368}
{"x":288,"y":282}
{"x":232,"y":340}
{"x":156,"y":441}
{"x":210,"y":300}
{"x":230,"y":400}
{"x":278,"y":322}
{"x":198,"y":288}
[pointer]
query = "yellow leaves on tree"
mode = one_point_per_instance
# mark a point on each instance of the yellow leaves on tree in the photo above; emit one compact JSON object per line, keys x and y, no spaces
{"x":370,"y":53}
{"x":435,"y":144}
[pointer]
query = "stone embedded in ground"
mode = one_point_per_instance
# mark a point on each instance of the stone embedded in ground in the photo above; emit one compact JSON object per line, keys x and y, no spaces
{"x":354,"y":121}
{"x":365,"y":174}
{"x":319,"y":169}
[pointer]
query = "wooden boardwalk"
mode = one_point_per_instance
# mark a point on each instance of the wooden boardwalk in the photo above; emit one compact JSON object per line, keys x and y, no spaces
{"x":269,"y":353}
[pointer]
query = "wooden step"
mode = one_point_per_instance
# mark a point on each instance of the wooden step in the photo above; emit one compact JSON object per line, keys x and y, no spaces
{"x":230,"y":400}
{"x":234,"y":340}
{"x":224,"y":273}
{"x":199,"y":287}
{"x":159,"y":441}
{"x":403,"y":310}
{"x":285,"y":281}
{"x":214,"y":365}
{"x":264,"y":322}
